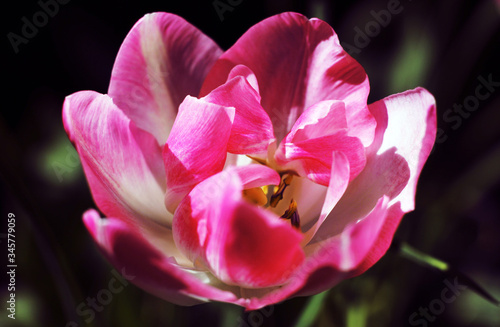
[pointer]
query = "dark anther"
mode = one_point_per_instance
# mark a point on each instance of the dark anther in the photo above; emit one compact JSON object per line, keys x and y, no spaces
{"x":292,"y":214}
{"x":278,"y":195}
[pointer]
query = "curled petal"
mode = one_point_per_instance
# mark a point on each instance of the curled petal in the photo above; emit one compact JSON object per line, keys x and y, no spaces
{"x":162,"y":60}
{"x":240,"y":243}
{"x":196,"y":147}
{"x":252,"y":131}
{"x":313,"y":158}
{"x":339,"y":180}
{"x":320,"y":131}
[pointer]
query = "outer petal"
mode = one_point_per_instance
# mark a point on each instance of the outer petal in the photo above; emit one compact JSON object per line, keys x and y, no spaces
{"x":162,"y":60}
{"x":240,"y":243}
{"x":410,"y":118}
{"x":252,"y":130}
{"x":122,"y":163}
{"x":148,"y":268}
{"x":298,"y":62}
{"x":196,"y":147}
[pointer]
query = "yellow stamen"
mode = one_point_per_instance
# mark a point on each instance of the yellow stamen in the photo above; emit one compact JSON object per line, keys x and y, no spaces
{"x":255,"y":195}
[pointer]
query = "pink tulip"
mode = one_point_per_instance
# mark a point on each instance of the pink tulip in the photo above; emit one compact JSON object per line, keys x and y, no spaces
{"x":248,"y":176}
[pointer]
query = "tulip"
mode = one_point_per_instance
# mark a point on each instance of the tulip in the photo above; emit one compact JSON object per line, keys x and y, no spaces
{"x":248,"y":176}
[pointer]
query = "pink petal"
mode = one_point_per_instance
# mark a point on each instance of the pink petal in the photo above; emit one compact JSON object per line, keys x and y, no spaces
{"x":330,"y":261}
{"x":298,"y":62}
{"x":142,"y":264}
{"x":240,"y":243}
{"x":313,"y":158}
{"x":196,"y":147}
{"x":410,"y":118}
{"x":339,"y":180}
{"x":252,"y":131}
{"x":162,"y":60}
{"x":122,"y":163}
{"x":386,"y":174}
{"x":322,"y":119}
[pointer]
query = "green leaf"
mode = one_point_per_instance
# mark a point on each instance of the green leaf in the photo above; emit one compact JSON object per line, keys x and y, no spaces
{"x":311,"y":310}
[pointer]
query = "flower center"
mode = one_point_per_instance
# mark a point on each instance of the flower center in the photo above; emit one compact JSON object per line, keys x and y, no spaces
{"x":270,"y":195}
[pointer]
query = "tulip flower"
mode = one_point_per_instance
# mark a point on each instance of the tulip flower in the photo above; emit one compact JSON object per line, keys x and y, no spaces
{"x":250,"y":175}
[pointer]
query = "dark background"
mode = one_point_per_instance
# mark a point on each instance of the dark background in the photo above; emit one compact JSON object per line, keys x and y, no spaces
{"x":446,"y":46}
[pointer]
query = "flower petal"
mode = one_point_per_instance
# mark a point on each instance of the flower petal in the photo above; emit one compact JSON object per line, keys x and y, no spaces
{"x":410,"y":125}
{"x":240,"y":243}
{"x":252,"y":130}
{"x":313,"y":158}
{"x":322,"y":119}
{"x":142,"y":264}
{"x":330,"y":261}
{"x":196,"y":147}
{"x":162,"y":60}
{"x":122,"y":163}
{"x":339,"y":180}
{"x":386,"y":174}
{"x":298,"y":62}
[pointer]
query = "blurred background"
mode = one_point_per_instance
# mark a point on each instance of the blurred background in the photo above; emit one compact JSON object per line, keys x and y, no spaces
{"x":449,"y":47}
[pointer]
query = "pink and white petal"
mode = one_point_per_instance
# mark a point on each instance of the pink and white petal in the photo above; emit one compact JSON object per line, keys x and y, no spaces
{"x":411,"y":129}
{"x":384,"y":240}
{"x":122,"y":163}
{"x":313,"y":158}
{"x":196,"y":147}
{"x":143,"y":265}
{"x":252,"y":130}
{"x":339,"y":179}
{"x":242,"y":244}
{"x":386,"y":174}
{"x":307,"y":67}
{"x":161,"y":61}
{"x":322,"y":119}
{"x":344,"y":252}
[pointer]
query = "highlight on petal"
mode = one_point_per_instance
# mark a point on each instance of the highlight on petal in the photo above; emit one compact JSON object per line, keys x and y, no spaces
{"x":240,"y":243}
{"x":145,"y":266}
{"x":410,"y":118}
{"x":307,"y":67}
{"x":161,"y":61}
{"x":252,"y":130}
{"x":386,"y":174}
{"x":122,"y":163}
{"x":196,"y":147}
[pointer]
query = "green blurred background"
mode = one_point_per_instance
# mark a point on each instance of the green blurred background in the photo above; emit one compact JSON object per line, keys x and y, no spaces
{"x":446,"y":46}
